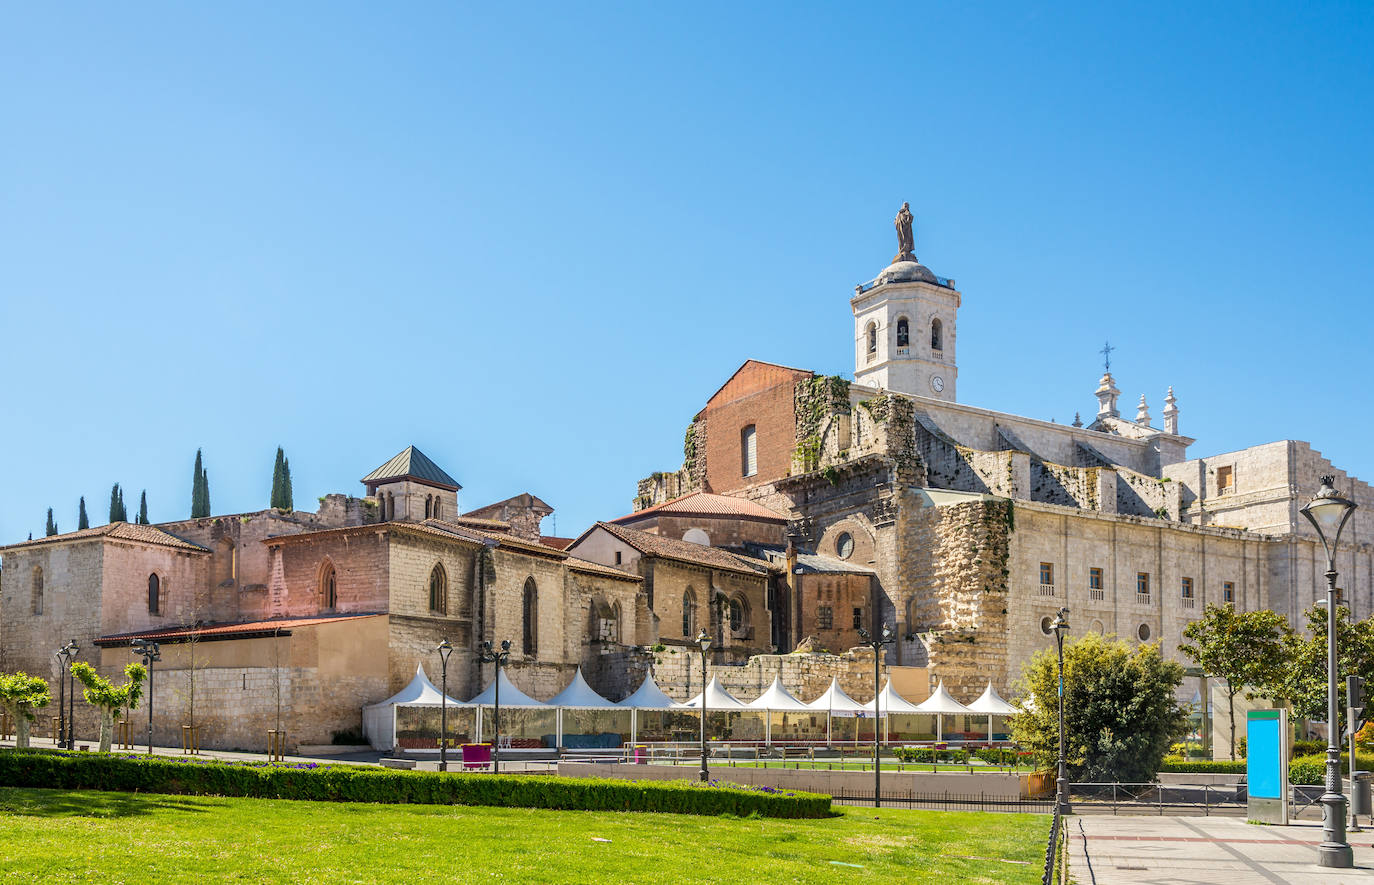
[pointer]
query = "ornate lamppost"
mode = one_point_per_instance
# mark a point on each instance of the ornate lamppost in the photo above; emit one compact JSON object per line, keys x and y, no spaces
{"x":66,"y":654}
{"x":150,"y":652}
{"x":1060,"y":626}
{"x":876,"y":643}
{"x":704,"y":642}
{"x":488,"y":655}
{"x":1328,"y":512}
{"x":444,"y":649}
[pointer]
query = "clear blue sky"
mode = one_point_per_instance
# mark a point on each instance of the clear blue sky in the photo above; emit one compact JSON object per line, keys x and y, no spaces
{"x":532,"y":241}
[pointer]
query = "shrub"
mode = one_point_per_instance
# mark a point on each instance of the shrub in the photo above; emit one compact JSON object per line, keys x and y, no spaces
{"x":346,"y":783}
{"x":997,"y":755}
{"x":1306,"y":747}
{"x":1202,"y":766}
{"x":931,"y":754}
{"x":1311,"y":769}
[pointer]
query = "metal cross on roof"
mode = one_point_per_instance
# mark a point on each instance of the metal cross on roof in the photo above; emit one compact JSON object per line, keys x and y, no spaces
{"x":1106,"y":352}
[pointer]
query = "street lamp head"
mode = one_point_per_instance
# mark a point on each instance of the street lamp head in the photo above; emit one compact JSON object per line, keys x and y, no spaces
{"x":505,"y":646}
{"x":444,"y":645}
{"x":704,"y":641}
{"x":1060,"y":624}
{"x":887,"y":633}
{"x":1328,"y":512}
{"x":863,"y":634}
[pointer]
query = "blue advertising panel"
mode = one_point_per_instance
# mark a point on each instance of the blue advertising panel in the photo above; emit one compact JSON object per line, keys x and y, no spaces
{"x":1266,"y":765}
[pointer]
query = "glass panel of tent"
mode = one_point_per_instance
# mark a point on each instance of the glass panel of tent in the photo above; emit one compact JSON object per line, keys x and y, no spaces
{"x":522,"y":728}
{"x":417,"y":728}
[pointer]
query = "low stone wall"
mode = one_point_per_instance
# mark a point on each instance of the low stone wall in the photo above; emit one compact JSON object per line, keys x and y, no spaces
{"x":895,"y":783}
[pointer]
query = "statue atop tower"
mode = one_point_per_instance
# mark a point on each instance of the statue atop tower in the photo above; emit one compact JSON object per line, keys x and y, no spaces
{"x":906,"y":240}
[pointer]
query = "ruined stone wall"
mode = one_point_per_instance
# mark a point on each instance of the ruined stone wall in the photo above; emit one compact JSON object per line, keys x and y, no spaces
{"x":671,"y":582}
{"x":677,"y":670}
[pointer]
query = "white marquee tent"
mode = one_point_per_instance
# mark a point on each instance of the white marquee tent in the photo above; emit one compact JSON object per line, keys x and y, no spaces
{"x":942,"y":704}
{"x":776,"y":700}
{"x":991,"y":704}
{"x":379,"y":720}
{"x":717,"y":699}
{"x":650,"y":697}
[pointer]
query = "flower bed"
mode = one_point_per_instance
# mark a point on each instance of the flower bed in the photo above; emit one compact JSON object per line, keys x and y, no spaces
{"x":348,"y":783}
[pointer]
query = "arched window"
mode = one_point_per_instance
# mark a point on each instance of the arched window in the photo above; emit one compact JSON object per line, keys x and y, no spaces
{"x":736,"y":615}
{"x":36,"y":603}
{"x":903,"y":332}
{"x":436,"y":507}
{"x":937,"y":337}
{"x":438,"y":590}
{"x":615,"y":623}
{"x":689,"y":613}
{"x":531,"y":617}
{"x":390,"y":506}
{"x":154,"y":594}
{"x":749,"y":451}
{"x":872,"y":338}
{"x":429,"y":505}
{"x":329,"y":587}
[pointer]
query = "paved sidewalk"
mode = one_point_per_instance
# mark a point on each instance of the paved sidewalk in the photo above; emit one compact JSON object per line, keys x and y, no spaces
{"x":1105,"y":850}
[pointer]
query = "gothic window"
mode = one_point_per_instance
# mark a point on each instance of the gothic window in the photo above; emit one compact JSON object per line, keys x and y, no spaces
{"x":438,"y":590}
{"x":689,"y":613}
{"x":615,"y":623}
{"x":903,"y":332}
{"x":429,"y":506}
{"x":390,"y":506}
{"x":154,"y":594}
{"x":531,"y":618}
{"x":36,"y":603}
{"x":329,"y":587}
{"x":736,"y":615}
{"x":937,"y":338}
{"x":749,"y":451}
{"x":872,"y":338}
{"x":825,"y":618}
{"x":437,"y":509}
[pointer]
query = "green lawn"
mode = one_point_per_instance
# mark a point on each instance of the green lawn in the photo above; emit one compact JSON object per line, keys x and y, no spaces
{"x":62,"y":836}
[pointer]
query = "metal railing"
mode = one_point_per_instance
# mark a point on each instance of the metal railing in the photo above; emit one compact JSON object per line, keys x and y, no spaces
{"x":947,"y":802}
{"x":1047,"y":878}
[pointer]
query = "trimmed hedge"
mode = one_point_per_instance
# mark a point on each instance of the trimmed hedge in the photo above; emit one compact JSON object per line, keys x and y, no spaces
{"x":1311,"y":769}
{"x":346,"y":783}
{"x":930,"y":754}
{"x":1202,"y":766}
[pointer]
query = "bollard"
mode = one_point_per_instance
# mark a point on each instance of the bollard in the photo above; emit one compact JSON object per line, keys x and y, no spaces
{"x":190,"y":739}
{"x":125,"y":734}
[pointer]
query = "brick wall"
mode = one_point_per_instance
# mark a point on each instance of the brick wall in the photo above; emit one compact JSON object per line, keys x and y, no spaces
{"x":761,"y":395}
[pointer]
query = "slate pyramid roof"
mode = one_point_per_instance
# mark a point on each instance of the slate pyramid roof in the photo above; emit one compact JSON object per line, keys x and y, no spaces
{"x":411,"y":464}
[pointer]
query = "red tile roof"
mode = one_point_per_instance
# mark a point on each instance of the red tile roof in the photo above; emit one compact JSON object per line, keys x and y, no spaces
{"x":707,"y":504}
{"x":684,"y":551}
{"x":211,"y":632}
{"x":555,"y":543}
{"x":121,"y":531}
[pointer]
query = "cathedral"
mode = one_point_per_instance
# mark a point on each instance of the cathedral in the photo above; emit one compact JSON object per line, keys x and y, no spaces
{"x":807,"y":508}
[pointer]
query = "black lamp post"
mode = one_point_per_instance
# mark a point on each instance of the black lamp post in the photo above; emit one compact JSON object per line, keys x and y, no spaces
{"x":488,"y":655}
{"x":66,"y":654}
{"x":444,"y":649}
{"x":876,"y":643}
{"x":150,"y":652}
{"x":705,"y":642}
{"x":1328,"y":512}
{"x":1060,"y":626}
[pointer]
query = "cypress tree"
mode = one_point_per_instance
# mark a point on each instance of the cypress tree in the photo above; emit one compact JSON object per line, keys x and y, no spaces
{"x":289,"y":503}
{"x":52,"y":526}
{"x":118,"y":513}
{"x":143,"y":508}
{"x":278,"y":481}
{"x":82,"y":520}
{"x":200,"y":490}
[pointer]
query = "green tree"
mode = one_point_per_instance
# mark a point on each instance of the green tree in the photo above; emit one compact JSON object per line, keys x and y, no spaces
{"x":1304,"y":682}
{"x":51,"y":528}
{"x":200,"y":490}
{"x":281,"y":483}
{"x":118,"y":513}
{"x":109,"y":699}
{"x":1120,"y":712}
{"x":1247,"y":649}
{"x":20,"y":695}
{"x":82,"y":520}
{"x":143,"y":508}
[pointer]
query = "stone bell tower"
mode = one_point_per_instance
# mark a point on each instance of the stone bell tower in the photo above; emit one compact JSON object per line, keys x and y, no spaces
{"x":904,"y":324}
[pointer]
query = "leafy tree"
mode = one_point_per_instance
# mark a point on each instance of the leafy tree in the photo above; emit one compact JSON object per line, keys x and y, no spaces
{"x":82,"y":520}
{"x":1247,"y":649}
{"x":20,"y":695}
{"x":281,"y":483}
{"x":118,"y":513}
{"x":1120,"y":712}
{"x":110,"y":699}
{"x":51,"y":528}
{"x":143,"y":508}
{"x":200,"y":490}
{"x":1304,"y":682}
